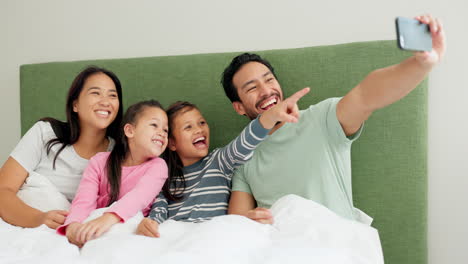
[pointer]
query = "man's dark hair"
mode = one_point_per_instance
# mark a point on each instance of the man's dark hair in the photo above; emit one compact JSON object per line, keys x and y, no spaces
{"x":234,"y":66}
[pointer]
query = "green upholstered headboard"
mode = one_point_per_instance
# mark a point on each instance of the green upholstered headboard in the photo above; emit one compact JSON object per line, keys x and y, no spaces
{"x":389,"y":160}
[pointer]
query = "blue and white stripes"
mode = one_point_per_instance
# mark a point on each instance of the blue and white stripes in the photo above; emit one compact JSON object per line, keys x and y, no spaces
{"x":208,"y":181}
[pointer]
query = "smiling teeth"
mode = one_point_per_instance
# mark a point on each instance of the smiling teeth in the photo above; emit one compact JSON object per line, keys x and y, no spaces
{"x":103,"y":113}
{"x":157,"y":142}
{"x":269,"y":102}
{"x":198,"y":139}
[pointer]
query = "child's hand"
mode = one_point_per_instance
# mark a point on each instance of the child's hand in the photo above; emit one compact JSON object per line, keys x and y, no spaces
{"x":71,"y":233}
{"x":148,"y":227}
{"x":261,"y":215}
{"x":284,"y":111}
{"x":95,"y":228}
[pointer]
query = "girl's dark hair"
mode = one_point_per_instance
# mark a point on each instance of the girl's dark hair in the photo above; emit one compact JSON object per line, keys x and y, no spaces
{"x":67,"y":133}
{"x":176,"y":179}
{"x":121,"y":149}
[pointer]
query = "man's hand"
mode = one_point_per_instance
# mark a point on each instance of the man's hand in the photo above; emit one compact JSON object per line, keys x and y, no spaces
{"x":261,"y":215}
{"x":426,"y":58}
{"x":383,"y":87}
{"x":53,"y":219}
{"x":95,"y":228}
{"x":242,"y":203}
{"x":148,"y":227}
{"x":285,"y":111}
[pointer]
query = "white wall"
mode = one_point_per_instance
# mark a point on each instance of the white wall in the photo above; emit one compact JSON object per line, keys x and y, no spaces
{"x":58,"y":30}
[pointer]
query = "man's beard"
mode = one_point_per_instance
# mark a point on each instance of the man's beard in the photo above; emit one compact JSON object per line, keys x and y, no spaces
{"x":250,"y":114}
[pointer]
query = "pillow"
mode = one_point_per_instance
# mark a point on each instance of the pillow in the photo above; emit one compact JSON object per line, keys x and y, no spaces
{"x":38,"y":192}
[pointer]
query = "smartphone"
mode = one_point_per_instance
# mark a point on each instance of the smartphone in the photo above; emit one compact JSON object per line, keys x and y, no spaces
{"x":413,"y":35}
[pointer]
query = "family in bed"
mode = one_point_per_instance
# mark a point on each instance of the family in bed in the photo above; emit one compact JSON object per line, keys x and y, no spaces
{"x":156,"y":160}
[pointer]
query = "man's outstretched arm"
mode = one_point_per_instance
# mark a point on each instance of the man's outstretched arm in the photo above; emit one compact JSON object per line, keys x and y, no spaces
{"x":242,"y":203}
{"x":385,"y":86}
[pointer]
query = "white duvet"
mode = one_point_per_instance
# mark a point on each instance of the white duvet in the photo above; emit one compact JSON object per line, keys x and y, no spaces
{"x":303,"y":232}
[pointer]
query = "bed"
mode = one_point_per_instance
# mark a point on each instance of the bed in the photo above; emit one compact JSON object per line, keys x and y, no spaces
{"x":389,"y":161}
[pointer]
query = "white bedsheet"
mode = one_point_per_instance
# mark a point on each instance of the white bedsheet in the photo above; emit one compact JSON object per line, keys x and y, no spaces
{"x":303,"y":232}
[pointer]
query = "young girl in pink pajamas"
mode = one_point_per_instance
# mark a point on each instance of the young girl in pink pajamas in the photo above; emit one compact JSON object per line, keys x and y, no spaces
{"x":126,"y":179}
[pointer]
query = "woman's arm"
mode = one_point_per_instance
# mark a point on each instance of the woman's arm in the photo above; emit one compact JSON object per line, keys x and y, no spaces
{"x":15,"y":211}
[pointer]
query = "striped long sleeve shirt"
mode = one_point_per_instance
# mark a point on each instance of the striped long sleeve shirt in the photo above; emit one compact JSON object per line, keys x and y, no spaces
{"x":208,"y":181}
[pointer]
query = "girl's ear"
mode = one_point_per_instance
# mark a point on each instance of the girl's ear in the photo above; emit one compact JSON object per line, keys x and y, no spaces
{"x":129,"y":130}
{"x":171,"y":144}
{"x":75,"y":109}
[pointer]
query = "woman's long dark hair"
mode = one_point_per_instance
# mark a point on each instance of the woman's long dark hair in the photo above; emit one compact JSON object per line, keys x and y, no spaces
{"x":121,"y":148}
{"x":175,"y":185}
{"x":67,"y":133}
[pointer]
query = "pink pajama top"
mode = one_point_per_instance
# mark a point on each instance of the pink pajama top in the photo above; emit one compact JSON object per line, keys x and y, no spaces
{"x":139,"y":186}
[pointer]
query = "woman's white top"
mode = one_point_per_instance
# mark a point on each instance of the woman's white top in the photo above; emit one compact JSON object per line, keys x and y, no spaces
{"x":31,"y":153}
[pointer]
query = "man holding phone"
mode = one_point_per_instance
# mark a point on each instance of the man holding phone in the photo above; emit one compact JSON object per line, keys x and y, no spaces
{"x":313,"y":158}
